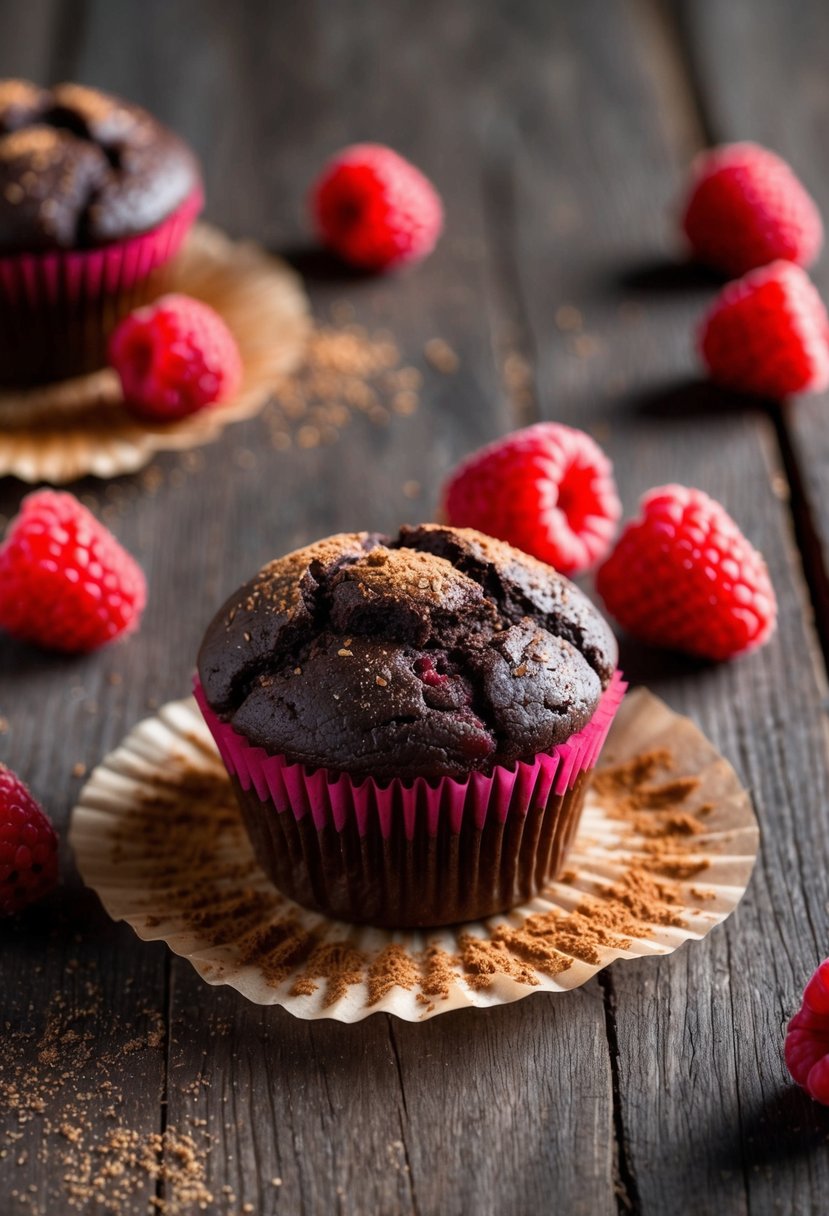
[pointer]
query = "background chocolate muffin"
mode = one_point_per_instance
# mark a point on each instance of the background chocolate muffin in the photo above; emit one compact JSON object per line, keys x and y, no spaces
{"x":79,"y":168}
{"x":438,"y":653}
{"x":409,"y":723}
{"x":95,"y":196}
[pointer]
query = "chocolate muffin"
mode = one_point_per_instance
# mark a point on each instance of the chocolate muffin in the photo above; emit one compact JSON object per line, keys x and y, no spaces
{"x":95,"y":194}
{"x":425,"y":686}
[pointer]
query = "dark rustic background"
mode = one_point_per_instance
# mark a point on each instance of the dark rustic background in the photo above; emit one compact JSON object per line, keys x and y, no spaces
{"x":558,"y":135}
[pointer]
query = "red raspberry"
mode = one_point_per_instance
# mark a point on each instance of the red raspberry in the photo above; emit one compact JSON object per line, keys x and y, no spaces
{"x":174,"y":357}
{"x":767,"y":333}
{"x":684,"y":576}
{"x":547,"y":489}
{"x":375,"y":209}
{"x":807,"y":1038}
{"x":746,"y":208}
{"x":65,"y":582}
{"x":28,"y":847}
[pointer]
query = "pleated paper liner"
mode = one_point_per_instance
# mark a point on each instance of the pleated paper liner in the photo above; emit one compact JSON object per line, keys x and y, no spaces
{"x":664,"y":853}
{"x":61,"y":432}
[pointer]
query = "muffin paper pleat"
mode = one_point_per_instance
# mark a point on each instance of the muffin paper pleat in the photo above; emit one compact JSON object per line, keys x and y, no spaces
{"x":340,"y":798}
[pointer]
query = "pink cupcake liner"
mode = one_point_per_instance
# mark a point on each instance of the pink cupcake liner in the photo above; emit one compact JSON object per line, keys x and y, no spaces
{"x":339,"y":799}
{"x":58,"y":309}
{"x":58,"y":276}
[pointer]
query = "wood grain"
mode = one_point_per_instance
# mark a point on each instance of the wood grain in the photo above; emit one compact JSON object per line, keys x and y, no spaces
{"x":558,"y":135}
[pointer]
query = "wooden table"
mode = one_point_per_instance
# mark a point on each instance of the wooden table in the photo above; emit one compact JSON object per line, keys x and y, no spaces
{"x":559,"y":135}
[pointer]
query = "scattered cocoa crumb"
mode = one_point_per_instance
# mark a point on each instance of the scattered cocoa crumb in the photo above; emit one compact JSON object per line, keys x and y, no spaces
{"x":663,"y":860}
{"x":151,"y":478}
{"x":482,"y":959}
{"x":518,"y":381}
{"x":244,"y":458}
{"x":584,"y":346}
{"x":441,"y":356}
{"x":60,"y":1081}
{"x":392,"y":968}
{"x":339,"y":963}
{"x":79,"y":769}
{"x":347,"y":371}
{"x":568,"y":319}
{"x":648,"y":900}
{"x":437,"y":973}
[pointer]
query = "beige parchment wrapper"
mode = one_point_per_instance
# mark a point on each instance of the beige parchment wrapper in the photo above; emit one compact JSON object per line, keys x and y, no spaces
{"x":198,"y":887}
{"x":60,"y":432}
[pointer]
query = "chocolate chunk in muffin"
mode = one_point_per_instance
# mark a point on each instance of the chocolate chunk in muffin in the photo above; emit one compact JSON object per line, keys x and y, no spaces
{"x":439,"y":652}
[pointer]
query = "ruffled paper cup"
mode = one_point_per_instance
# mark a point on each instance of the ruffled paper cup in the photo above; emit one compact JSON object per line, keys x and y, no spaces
{"x":58,"y":308}
{"x":406,"y":854}
{"x":665,"y":848}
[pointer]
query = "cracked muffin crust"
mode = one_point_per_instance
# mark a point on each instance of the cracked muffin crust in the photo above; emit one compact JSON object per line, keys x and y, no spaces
{"x":80,"y":168}
{"x":437,"y":653}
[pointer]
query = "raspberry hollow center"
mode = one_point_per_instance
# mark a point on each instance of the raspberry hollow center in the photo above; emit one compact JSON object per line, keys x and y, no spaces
{"x":578,"y":499}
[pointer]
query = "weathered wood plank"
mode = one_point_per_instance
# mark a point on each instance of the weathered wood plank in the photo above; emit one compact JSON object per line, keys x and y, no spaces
{"x":701,"y":1076}
{"x":27,"y":43}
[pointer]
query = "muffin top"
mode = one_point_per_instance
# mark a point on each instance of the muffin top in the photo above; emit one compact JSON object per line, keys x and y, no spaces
{"x":79,"y":168}
{"x":437,"y":653}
